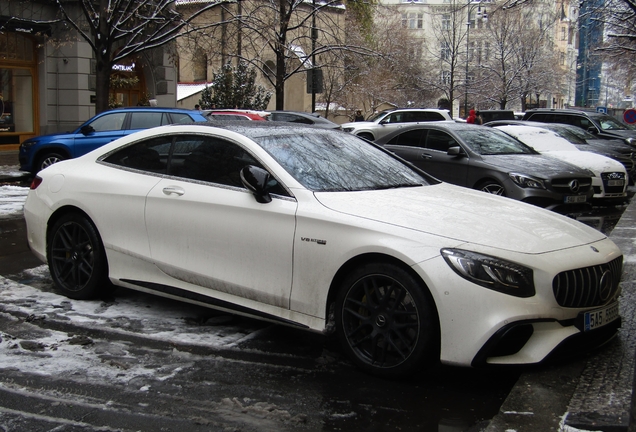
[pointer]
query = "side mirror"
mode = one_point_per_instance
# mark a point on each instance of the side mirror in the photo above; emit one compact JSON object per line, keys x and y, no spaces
{"x":455,"y":151}
{"x":86,"y":129}
{"x":257,"y":181}
{"x":592,"y":130}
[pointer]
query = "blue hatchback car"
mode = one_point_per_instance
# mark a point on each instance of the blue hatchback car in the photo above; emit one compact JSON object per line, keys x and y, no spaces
{"x":39,"y":152}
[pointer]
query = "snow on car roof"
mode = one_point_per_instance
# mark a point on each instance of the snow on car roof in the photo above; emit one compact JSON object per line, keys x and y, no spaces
{"x":540,"y":139}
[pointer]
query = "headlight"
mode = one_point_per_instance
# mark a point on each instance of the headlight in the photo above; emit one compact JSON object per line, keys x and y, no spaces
{"x":348,"y":129}
{"x":630,"y":141}
{"x":526,"y":181}
{"x":490,"y":272}
{"x":26,"y":144}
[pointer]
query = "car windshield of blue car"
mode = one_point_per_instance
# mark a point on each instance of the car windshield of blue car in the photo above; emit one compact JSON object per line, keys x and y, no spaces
{"x":486,"y":141}
{"x":325,"y":160}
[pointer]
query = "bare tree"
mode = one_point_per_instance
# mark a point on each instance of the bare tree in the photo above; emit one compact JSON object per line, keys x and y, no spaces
{"x":446,"y":51}
{"x":511,"y":70}
{"x":120,"y":29}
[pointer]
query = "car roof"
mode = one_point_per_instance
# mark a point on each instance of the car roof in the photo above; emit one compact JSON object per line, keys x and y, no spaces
{"x":448,"y":125}
{"x":149,"y":108}
{"x":565,"y":111}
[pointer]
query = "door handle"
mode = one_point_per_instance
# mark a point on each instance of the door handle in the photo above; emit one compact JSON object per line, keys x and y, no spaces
{"x":426,"y":156}
{"x":170,"y":190}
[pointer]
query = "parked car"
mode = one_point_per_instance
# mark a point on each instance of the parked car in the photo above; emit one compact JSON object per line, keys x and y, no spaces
{"x":601,"y":125}
{"x":231,"y":115}
{"x":317,"y":229}
{"x":610,"y":177}
{"x":585,"y":141}
{"x":42,"y":151}
{"x":491,"y":115}
{"x":488,"y":160}
{"x":302,"y":117}
{"x":385,"y":122}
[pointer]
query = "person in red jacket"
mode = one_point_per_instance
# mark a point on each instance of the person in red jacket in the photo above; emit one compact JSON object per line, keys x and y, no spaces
{"x":471,"y":116}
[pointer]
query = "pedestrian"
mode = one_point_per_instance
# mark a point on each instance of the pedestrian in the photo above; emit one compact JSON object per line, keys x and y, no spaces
{"x":197,"y":107}
{"x":478,"y":119}
{"x":471,"y":117}
{"x":359,"y":116}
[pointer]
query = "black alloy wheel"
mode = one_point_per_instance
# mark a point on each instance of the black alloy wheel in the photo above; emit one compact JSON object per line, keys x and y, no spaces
{"x":76,"y":258}
{"x":386,"y":321}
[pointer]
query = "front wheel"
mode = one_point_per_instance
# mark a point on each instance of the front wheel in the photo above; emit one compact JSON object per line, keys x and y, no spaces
{"x":49,"y":159}
{"x":492,"y":187}
{"x":76,"y":258}
{"x":386,"y":321}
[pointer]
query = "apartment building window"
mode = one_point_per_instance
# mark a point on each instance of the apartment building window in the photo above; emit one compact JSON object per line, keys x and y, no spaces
{"x":413,"y":20}
{"x":446,"y":77}
{"x":563,"y":33}
{"x":446,"y":22}
{"x":445,"y":52}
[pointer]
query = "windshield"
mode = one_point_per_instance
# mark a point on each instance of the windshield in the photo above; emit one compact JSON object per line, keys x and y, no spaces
{"x":489,"y":141}
{"x":326,"y":160}
{"x":572,"y":136}
{"x":377,"y":116}
{"x":610,"y":123}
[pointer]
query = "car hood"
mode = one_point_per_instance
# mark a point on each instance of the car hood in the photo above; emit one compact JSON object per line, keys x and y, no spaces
{"x":465,"y":215}
{"x":534,"y":164}
{"x":621,"y":133}
{"x":593,"y":161}
{"x":358,"y":125}
{"x":53,"y":137}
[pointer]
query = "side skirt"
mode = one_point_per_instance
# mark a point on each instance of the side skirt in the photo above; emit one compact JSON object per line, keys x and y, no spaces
{"x":211,"y":302}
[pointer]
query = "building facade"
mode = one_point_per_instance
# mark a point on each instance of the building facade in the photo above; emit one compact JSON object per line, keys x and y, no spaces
{"x":47,"y":73}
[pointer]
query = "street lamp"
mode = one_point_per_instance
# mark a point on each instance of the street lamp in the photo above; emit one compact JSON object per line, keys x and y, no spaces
{"x":484,"y":17}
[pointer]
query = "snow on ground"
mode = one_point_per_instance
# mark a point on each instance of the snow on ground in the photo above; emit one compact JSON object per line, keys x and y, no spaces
{"x":11,"y":197}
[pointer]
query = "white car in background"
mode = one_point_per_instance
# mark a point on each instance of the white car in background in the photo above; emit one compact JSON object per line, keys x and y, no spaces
{"x":388,"y":121}
{"x":610,"y":178}
{"x":323,"y":231}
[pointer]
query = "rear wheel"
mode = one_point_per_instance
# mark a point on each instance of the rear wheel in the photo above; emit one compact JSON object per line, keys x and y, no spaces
{"x":49,"y":159}
{"x":492,"y":187}
{"x":76,"y":258}
{"x":386,"y":321}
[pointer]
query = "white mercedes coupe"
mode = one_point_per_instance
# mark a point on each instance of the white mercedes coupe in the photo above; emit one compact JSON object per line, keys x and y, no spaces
{"x":322,"y":230}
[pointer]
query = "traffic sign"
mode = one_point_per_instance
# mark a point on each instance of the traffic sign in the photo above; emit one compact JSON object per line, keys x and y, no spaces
{"x":601,"y":109}
{"x":630,"y":116}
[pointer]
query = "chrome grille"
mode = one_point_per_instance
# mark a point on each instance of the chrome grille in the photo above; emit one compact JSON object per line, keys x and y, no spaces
{"x":588,"y":286}
{"x":614,"y":177}
{"x":562,"y":185}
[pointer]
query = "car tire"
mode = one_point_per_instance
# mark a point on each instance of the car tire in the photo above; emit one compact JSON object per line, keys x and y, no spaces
{"x":366,"y":136}
{"x":492,"y":187}
{"x":49,"y":159}
{"x":386,"y":320}
{"x":76,"y":258}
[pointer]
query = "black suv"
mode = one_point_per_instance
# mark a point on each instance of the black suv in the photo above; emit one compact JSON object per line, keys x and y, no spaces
{"x":602,"y":125}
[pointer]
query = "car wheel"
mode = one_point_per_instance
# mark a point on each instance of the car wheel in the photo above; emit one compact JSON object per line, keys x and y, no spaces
{"x":366,"y":136}
{"x":76,"y":258}
{"x":386,"y":321}
{"x":492,"y":187}
{"x":49,"y":159}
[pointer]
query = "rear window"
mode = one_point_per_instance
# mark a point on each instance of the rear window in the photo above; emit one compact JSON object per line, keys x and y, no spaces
{"x":146,"y":120}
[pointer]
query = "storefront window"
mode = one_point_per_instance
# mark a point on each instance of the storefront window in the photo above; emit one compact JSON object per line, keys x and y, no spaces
{"x":16,"y":100}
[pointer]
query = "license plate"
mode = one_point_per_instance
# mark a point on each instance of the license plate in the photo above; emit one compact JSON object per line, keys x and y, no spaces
{"x":575,"y":199}
{"x":600,"y":317}
{"x":615,"y":182}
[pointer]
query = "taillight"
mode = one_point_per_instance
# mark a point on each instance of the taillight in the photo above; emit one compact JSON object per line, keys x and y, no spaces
{"x":36,"y":182}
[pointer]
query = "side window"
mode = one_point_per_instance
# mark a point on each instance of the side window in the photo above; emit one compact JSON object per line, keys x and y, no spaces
{"x":146,"y":120}
{"x":211,"y":160}
{"x":177,"y":118}
{"x":541,"y":118}
{"x":150,"y":155}
{"x":433,"y":116}
{"x":109,"y":122}
{"x":412,"y":138}
{"x":585,"y":123}
{"x":438,"y":140}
